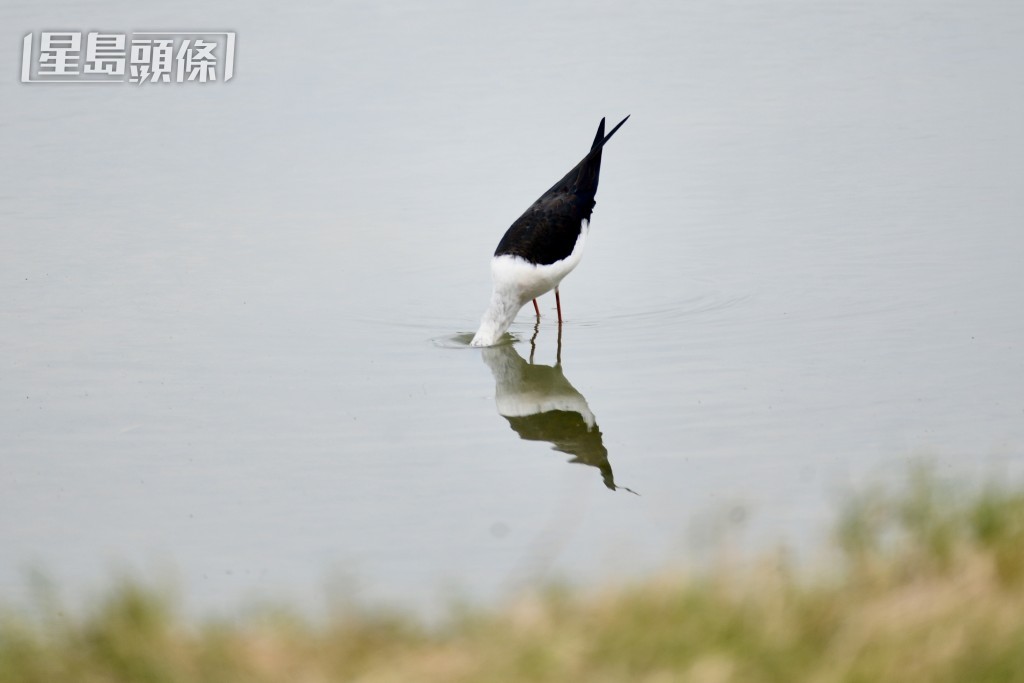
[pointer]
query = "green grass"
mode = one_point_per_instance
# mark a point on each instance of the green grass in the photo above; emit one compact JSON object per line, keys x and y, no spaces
{"x":928,"y":586}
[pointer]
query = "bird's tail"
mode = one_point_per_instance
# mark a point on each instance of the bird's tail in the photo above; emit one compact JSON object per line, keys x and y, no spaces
{"x":583,"y":178}
{"x":601,"y":138}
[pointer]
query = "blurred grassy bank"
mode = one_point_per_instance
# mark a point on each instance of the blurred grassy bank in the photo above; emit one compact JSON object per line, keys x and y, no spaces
{"x":928,"y":586}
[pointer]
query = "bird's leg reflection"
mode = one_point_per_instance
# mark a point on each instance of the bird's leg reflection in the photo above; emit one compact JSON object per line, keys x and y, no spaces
{"x":541,"y":405}
{"x":533,"y":343}
{"x":533,"y":340}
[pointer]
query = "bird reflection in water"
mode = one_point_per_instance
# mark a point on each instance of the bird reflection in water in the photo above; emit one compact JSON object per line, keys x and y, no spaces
{"x":541,"y":405}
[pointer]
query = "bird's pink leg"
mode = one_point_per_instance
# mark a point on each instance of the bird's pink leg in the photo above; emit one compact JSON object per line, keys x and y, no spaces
{"x":558,"y":303}
{"x":536,"y":307}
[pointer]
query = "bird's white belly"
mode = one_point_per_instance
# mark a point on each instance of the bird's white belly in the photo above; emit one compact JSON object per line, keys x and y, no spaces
{"x":524,"y":280}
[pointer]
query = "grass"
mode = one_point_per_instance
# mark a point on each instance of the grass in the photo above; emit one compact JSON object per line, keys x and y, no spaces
{"x":928,"y":586}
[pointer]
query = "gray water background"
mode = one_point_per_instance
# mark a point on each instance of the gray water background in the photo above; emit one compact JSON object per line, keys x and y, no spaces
{"x":232,"y":316}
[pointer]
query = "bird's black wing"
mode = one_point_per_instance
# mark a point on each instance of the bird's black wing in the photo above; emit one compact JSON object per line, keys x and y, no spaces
{"x":547,"y":231}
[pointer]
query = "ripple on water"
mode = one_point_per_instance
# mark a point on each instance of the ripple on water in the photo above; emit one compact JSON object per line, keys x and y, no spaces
{"x":653,"y":314}
{"x":664,"y":313}
{"x":459,"y":340}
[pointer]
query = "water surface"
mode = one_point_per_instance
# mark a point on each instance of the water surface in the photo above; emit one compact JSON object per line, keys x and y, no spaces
{"x":233,"y":322}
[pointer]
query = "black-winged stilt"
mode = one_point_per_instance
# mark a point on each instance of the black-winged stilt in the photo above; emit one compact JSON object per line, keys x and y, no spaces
{"x":543,"y":245}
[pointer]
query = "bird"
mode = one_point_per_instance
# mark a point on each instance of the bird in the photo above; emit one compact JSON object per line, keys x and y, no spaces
{"x":543,"y":245}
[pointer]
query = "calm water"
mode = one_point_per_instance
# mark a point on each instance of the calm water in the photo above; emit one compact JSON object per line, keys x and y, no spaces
{"x":233,"y":317}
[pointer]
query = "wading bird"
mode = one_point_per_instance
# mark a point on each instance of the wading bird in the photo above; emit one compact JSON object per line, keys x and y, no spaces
{"x":543,"y":245}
